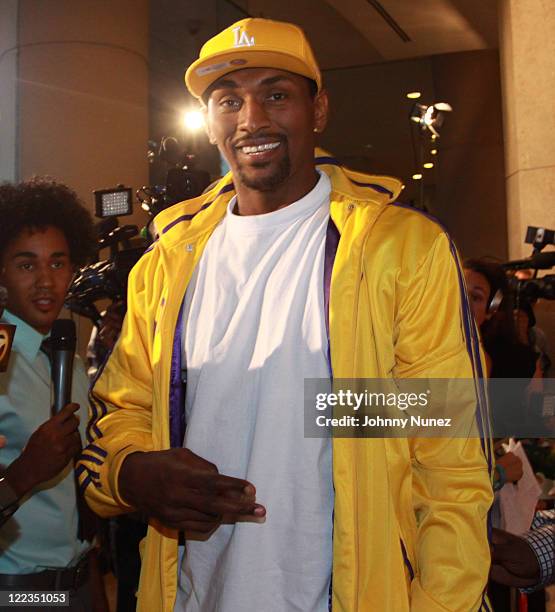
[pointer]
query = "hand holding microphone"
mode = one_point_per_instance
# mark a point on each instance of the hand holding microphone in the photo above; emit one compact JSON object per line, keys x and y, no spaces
{"x":52,"y":446}
{"x":49,"y":449}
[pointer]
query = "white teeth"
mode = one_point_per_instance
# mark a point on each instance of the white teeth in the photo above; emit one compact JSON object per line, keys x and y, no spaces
{"x":260,"y":148}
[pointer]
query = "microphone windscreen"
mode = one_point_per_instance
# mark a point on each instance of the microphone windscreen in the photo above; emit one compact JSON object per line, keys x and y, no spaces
{"x":62,"y":335}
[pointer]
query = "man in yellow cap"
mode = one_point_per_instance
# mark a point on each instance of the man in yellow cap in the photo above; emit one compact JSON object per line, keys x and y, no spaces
{"x":290,"y":268}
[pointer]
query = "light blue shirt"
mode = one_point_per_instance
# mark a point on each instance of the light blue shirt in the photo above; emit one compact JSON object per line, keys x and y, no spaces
{"x":43,"y":531}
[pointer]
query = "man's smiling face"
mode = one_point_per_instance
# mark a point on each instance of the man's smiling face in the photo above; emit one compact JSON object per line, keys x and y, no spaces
{"x":36,"y":270}
{"x":263,"y":121}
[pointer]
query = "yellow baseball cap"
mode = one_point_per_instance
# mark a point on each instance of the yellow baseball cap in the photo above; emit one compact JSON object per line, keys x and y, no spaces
{"x":253,"y":43}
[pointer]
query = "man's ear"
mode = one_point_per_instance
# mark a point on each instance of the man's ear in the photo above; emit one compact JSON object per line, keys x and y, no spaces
{"x":204,"y":110}
{"x":321,"y":111}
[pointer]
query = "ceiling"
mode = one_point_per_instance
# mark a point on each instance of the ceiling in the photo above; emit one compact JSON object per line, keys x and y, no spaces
{"x":346,"y":33}
{"x":358,"y":43}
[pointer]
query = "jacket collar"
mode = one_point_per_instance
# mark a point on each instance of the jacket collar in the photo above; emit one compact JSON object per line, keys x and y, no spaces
{"x":201,"y":214}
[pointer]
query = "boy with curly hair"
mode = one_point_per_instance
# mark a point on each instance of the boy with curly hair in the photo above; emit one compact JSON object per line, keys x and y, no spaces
{"x":45,"y":234}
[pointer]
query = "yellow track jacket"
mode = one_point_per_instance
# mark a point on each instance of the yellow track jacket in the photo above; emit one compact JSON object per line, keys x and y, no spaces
{"x":410,"y":519}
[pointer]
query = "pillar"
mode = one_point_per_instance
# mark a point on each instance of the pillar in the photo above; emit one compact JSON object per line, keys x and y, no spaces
{"x":527,"y":49}
{"x":82,"y":96}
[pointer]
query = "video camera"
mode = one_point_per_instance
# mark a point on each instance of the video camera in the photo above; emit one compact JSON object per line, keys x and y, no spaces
{"x":107,"y":278}
{"x":183,"y":180}
{"x":534,"y":288}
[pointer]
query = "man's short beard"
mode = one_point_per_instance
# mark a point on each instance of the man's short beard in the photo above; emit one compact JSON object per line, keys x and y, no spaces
{"x":271,"y":182}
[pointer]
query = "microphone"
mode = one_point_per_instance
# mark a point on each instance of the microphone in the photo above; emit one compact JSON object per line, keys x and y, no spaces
{"x":62,"y":345}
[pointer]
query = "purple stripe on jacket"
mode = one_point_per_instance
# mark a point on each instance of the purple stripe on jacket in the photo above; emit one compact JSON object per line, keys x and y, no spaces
{"x":332,"y":241}
{"x":331,"y":161}
{"x":177,"y":388}
{"x":224,"y":189}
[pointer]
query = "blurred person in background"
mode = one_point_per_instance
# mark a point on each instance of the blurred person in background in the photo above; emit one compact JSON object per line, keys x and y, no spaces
{"x":508,"y":355}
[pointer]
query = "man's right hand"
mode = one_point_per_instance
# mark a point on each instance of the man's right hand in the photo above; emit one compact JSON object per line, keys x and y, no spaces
{"x":48,"y":451}
{"x":184,"y":491}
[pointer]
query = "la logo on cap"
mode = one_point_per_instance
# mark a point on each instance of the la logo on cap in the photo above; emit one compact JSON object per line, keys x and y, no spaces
{"x":241,"y":38}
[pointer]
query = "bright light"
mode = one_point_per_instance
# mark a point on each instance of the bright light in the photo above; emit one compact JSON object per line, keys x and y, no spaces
{"x":429,"y":116}
{"x":433,"y":152}
{"x":192,"y":120}
{"x":443,"y":106}
{"x":428,"y":165}
{"x":417,"y":177}
{"x":413,"y":95}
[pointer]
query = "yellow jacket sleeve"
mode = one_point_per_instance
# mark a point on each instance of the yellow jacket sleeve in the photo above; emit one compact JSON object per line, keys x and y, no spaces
{"x":452,"y":493}
{"x":121,"y":398}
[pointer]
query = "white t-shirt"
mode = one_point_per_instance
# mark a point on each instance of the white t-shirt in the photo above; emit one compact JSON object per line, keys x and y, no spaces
{"x":254,"y":329}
